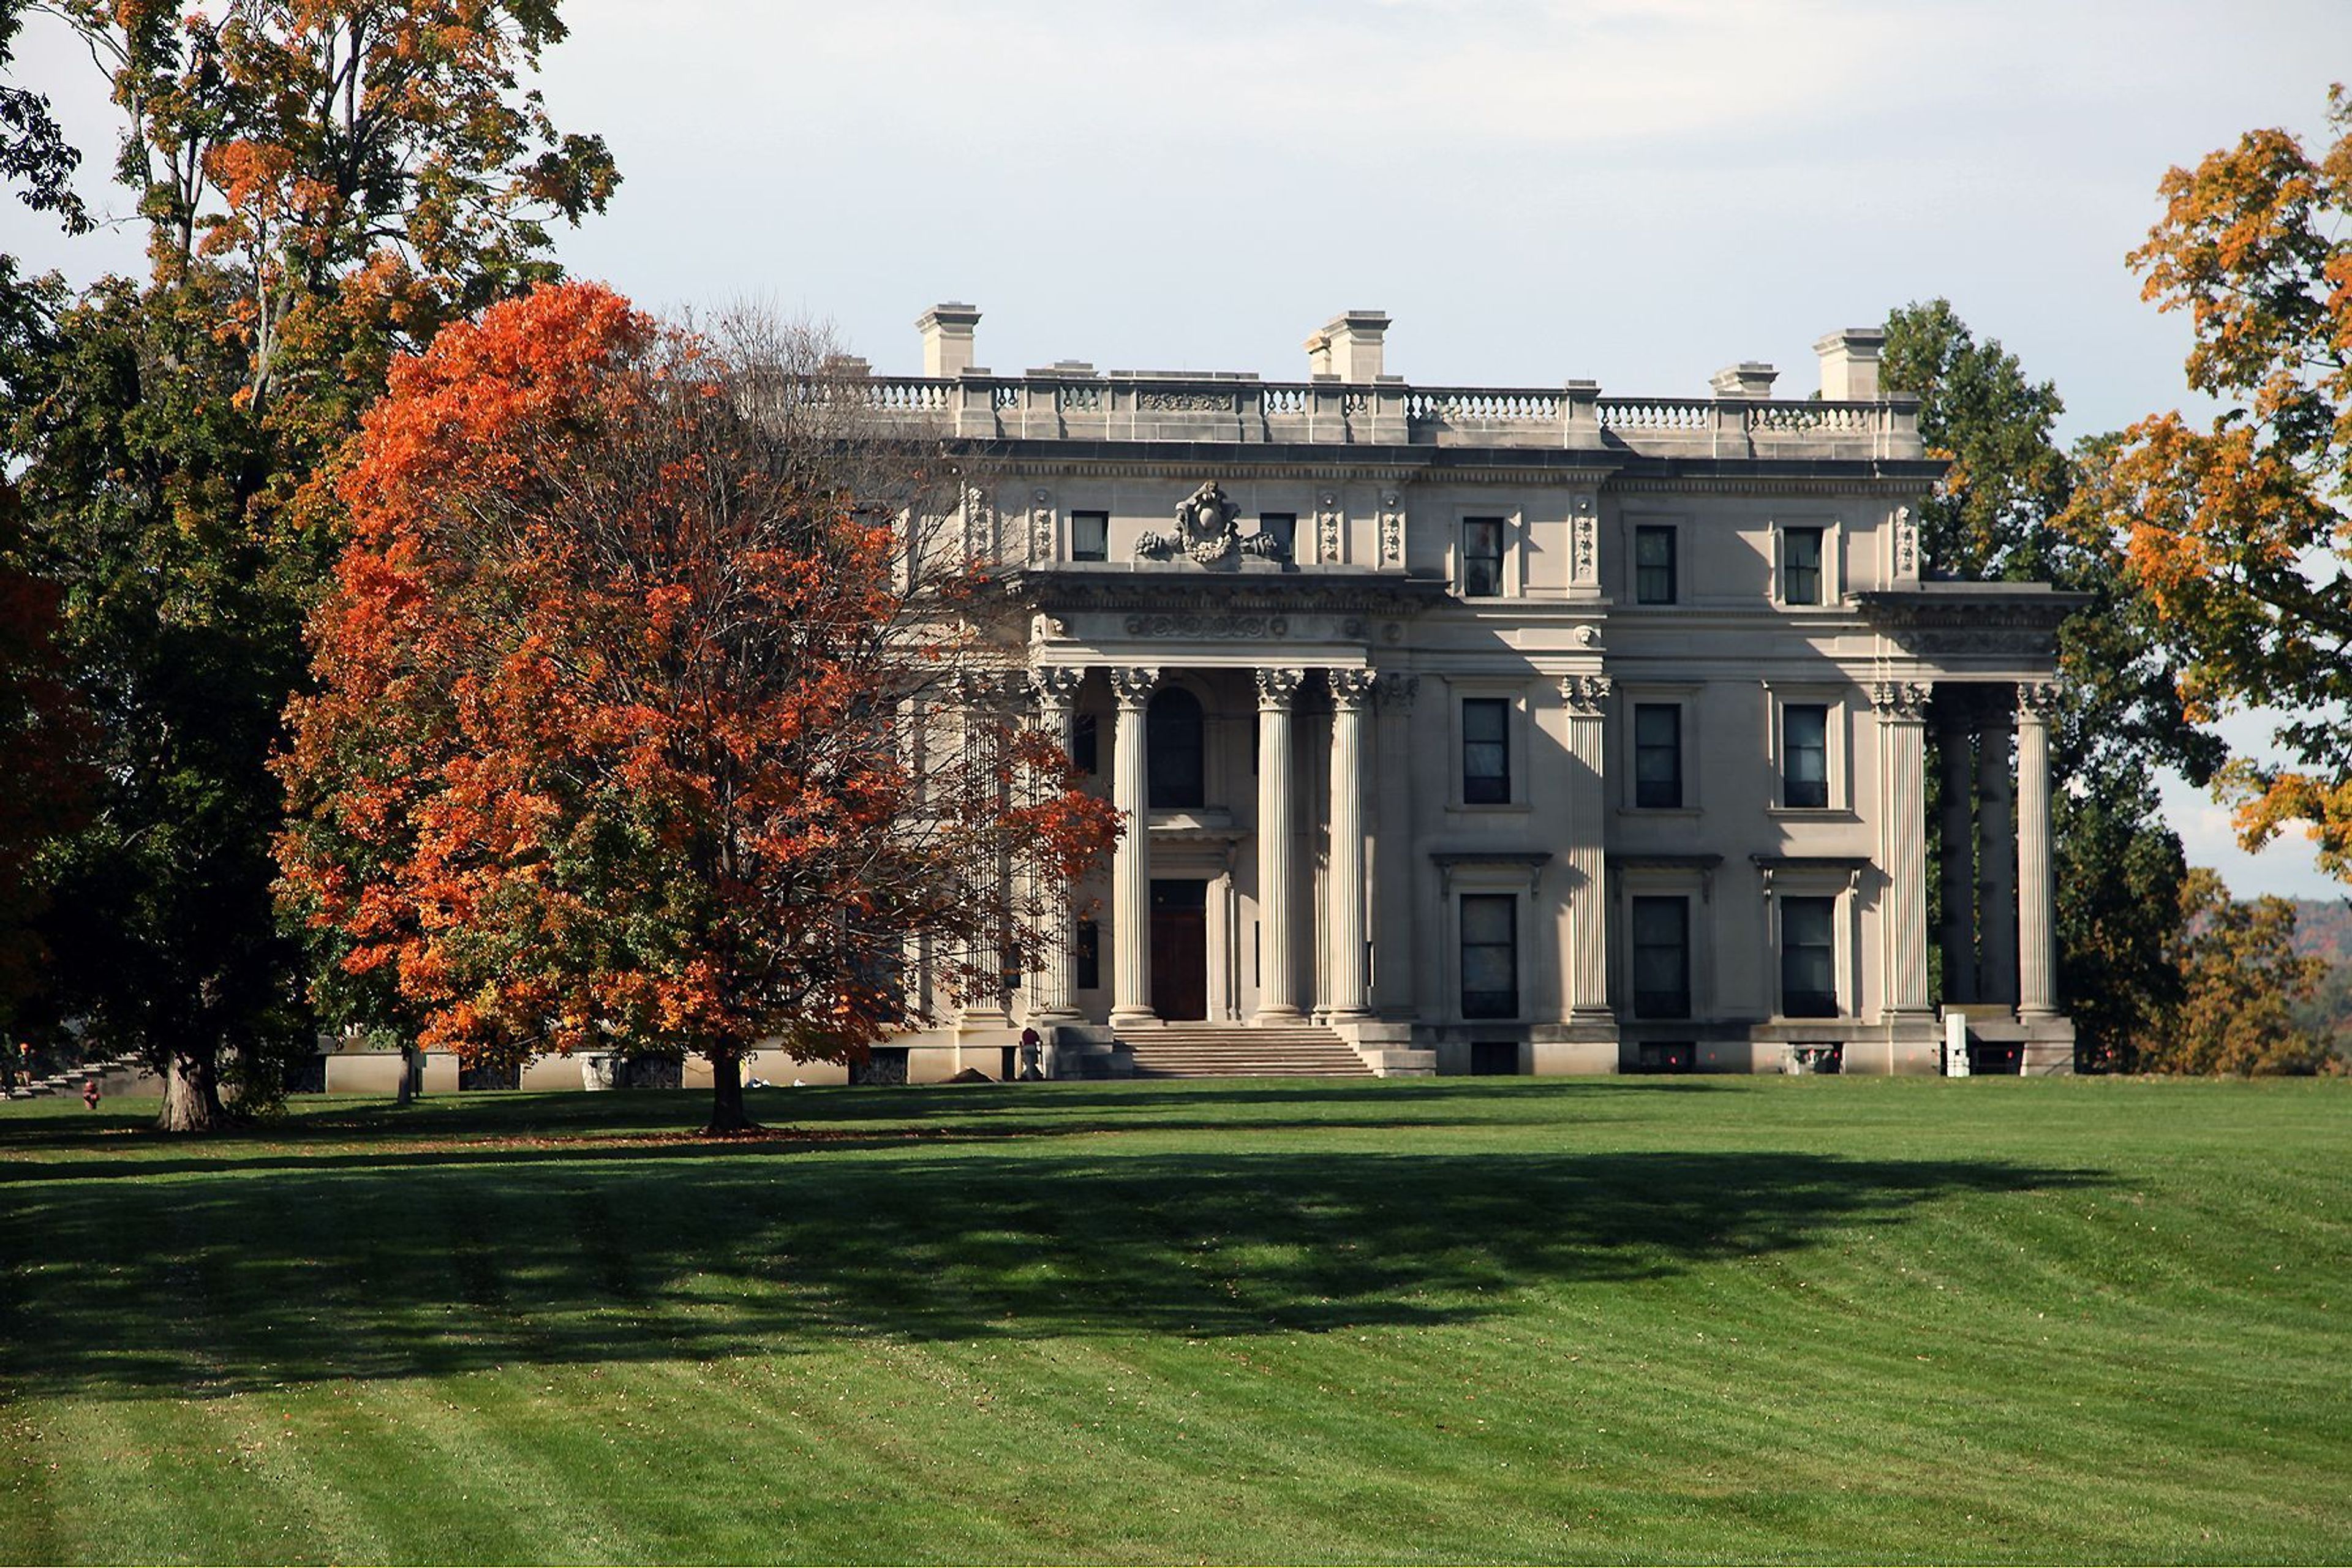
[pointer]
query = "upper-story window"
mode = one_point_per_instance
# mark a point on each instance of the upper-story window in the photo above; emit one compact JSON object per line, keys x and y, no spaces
{"x":1654,"y":565}
{"x":1091,"y":536}
{"x":1801,"y":565}
{"x":1173,"y":732}
{"x":1805,"y":761}
{"x":1658,"y":754}
{"x":1282,"y":528}
{"x":1485,"y":751}
{"x":1481,"y":557}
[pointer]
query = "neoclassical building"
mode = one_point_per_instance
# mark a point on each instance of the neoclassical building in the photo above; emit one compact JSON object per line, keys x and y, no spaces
{"x":1509,"y":730}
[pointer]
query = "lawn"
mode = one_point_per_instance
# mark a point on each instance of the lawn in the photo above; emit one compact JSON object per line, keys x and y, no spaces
{"x":1667,"y":1319}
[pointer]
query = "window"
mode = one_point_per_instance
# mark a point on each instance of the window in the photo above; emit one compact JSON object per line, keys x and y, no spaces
{"x":1801,"y":566}
{"x":1662,"y":958}
{"x":1172,"y":732}
{"x":1494,"y":1058}
{"x":1085,"y":956}
{"x":1658,"y":754}
{"x":1485,"y":751}
{"x":1490,"y":955}
{"x":1086,"y":752}
{"x":1481,"y":557}
{"x":1282,"y":529}
{"x":1805,"y":755}
{"x":1091,"y":536}
{"x":1808,"y":958}
{"x":1654,"y":565}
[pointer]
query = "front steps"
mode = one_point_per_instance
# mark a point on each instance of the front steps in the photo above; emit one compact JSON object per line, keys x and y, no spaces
{"x":1230,"y":1051}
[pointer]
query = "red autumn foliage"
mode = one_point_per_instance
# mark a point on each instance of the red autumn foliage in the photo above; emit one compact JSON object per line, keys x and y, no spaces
{"x":623,"y":683}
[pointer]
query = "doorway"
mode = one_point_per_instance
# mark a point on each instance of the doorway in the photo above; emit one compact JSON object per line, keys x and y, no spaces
{"x":1179,"y":949}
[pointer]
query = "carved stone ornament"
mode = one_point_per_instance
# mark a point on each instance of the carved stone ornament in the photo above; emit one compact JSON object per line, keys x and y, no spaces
{"x":1349,"y":687}
{"x":1205,"y":528}
{"x":1906,"y":700}
{"x":1275,"y":688}
{"x":2038,"y":700}
{"x":1585,"y":530}
{"x":1326,"y":526}
{"x":979,"y":525}
{"x":1391,"y":531}
{"x":1182,"y":624}
{"x":1056,"y":685}
{"x":1586,"y":694}
{"x":1398,"y":691}
{"x":1132,"y":684}
{"x":1907,"y":544}
{"x":1041,"y":528}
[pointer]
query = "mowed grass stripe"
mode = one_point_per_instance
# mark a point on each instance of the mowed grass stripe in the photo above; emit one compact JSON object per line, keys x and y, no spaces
{"x":1698,"y":1319}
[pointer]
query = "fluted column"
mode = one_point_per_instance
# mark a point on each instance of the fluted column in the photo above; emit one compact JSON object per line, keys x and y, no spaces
{"x":1995,"y":868}
{"x":1349,"y":986}
{"x":1587,"y":970}
{"x":2037,"y":897}
{"x":1131,"y":865}
{"x":1277,"y":1001}
{"x":1393,"y":865}
{"x":1903,"y":842}
{"x":1056,"y":691}
{"x":1955,"y":752}
{"x":984,"y":696}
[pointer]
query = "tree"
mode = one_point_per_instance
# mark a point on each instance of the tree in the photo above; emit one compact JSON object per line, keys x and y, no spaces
{"x":324,"y":182}
{"x":619,"y":692}
{"x":1995,"y":516}
{"x":2237,"y":533}
{"x":33,"y":152}
{"x":2240,"y":979}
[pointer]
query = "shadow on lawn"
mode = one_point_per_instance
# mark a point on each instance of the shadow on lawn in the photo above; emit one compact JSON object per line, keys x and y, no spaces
{"x":229,"y":1274}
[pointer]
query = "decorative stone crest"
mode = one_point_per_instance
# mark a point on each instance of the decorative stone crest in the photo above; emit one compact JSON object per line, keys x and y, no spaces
{"x":1398,"y":691}
{"x":1587,"y":695}
{"x":1205,"y":531}
{"x":1905,"y":701}
{"x":1349,"y":687}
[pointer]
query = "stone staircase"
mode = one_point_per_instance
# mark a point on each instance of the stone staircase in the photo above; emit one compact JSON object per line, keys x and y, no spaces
{"x":1230,"y":1051}
{"x":69,"y":1082}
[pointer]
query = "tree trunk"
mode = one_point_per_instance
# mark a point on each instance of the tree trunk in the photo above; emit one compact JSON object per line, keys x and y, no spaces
{"x":727,"y":1112}
{"x":192,"y":1100}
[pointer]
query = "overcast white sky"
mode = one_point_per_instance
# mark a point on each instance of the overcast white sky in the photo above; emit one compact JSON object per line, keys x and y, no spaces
{"x":1636,"y":191}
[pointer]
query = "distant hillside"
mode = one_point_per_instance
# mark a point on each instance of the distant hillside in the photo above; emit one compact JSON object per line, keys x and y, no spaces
{"x":2323,"y":929}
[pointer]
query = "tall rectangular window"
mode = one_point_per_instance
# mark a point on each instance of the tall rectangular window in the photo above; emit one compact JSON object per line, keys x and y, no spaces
{"x":1485,"y":751}
{"x":1086,"y":957}
{"x":1808,"y":958}
{"x":1805,"y":759}
{"x":1490,"y":955}
{"x":1801,"y":566}
{"x":1091,"y":536}
{"x":1085,"y":748}
{"x":1662,"y":958}
{"x":1281,"y":529}
{"x":1654,"y":565}
{"x":1481,"y":557}
{"x":1657,"y":753}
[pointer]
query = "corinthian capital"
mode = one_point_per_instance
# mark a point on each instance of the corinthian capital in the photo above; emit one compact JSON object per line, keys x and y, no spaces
{"x":1586,"y":694}
{"x":1133,"y":684}
{"x":1901,"y":700}
{"x":1275,"y":688}
{"x":2037,"y":699}
{"x":1349,"y":687}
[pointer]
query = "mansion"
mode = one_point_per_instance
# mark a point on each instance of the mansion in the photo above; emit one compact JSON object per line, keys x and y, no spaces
{"x":1509,"y":730}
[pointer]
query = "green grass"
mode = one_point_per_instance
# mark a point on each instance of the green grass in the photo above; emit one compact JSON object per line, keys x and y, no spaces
{"x":1668,"y":1319}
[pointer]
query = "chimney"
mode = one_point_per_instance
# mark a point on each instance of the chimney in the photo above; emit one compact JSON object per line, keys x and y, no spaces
{"x":1850,"y":365}
{"x":946,"y":339}
{"x":1349,"y":346}
{"x":1748,"y":378}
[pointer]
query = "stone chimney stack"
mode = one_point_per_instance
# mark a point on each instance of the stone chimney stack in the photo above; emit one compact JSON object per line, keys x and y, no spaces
{"x":1349,"y":346}
{"x":1850,"y":365}
{"x":946,"y":339}
{"x":1748,"y":378}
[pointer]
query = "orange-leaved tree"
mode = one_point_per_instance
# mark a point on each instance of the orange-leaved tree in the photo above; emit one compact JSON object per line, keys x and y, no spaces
{"x":2238,"y":535}
{"x":629,"y":732}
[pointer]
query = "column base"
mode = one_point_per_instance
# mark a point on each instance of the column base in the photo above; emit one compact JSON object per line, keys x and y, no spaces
{"x":1133,"y":1017}
{"x":1276,"y":1018}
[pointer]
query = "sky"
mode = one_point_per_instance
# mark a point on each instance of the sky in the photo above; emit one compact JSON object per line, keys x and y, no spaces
{"x":1637,"y":191}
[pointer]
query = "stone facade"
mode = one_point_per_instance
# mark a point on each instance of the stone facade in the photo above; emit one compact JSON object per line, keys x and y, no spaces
{"x":1512,"y":730}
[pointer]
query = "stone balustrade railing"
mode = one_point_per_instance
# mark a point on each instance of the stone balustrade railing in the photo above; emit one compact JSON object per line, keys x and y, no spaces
{"x":1160,"y":406}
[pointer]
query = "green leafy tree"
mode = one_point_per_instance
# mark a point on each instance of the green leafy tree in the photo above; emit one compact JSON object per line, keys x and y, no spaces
{"x":2240,"y":979}
{"x":324,"y":183}
{"x":1995,"y":516}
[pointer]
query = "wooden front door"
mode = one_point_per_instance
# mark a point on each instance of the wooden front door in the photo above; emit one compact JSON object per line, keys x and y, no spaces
{"x":1179,"y":949}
